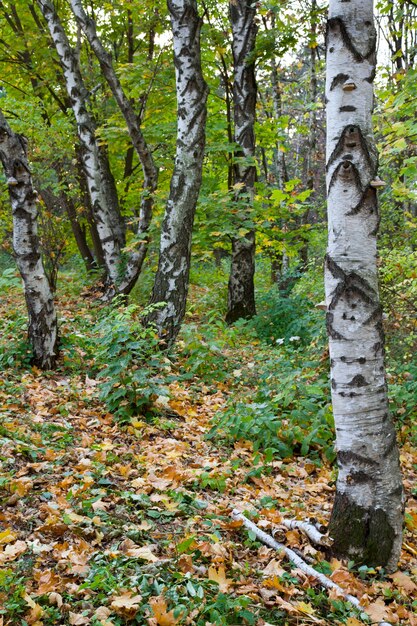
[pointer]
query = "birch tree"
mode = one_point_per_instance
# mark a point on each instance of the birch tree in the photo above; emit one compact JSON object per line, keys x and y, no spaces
{"x":43,"y":326}
{"x":172,"y":277}
{"x":366,"y":521}
{"x":106,"y":214}
{"x":241,"y":293}
{"x":150,"y":173}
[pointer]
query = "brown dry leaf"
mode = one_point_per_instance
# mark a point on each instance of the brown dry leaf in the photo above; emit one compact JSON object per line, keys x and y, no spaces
{"x":129,"y":548}
{"x":219,"y":576}
{"x":102,"y":613}
{"x":287,"y":606}
{"x":12,"y":551}
{"x":379,"y":612}
{"x":78,"y":619}
{"x":352,"y":621}
{"x":403,"y":581}
{"x":35,"y":613}
{"x":293,"y":538}
{"x":273,"y":569}
{"x":126,"y":604}
{"x":162,"y":615}
{"x":48,"y":581}
{"x":55,"y":598}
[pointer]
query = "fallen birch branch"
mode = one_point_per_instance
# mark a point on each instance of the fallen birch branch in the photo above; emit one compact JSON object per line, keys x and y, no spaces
{"x":298,"y":561}
{"x":309,"y":530}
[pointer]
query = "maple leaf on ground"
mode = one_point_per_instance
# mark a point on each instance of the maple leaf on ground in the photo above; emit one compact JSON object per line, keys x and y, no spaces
{"x":161,"y":613}
{"x":219,"y":577}
{"x":403,"y":581}
{"x":126,"y":604}
{"x":12,"y":551}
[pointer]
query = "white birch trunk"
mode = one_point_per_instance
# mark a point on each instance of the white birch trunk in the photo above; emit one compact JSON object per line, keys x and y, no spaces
{"x":366,"y":521}
{"x":171,"y":281}
{"x":43,"y":325}
{"x":150,"y":173}
{"x":106,"y":216}
{"x":241,"y":294}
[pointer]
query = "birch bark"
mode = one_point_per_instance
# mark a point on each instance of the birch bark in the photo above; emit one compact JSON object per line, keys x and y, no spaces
{"x":241,"y":294}
{"x":150,"y":173}
{"x":366,"y":521}
{"x":107,"y":217}
{"x":171,"y":281}
{"x":43,"y":326}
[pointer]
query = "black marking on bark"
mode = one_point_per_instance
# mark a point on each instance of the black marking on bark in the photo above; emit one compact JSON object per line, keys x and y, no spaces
{"x":358,"y":477}
{"x":362,"y":360}
{"x":339,"y":79}
{"x":351,"y":137}
{"x":370,"y":79}
{"x":358,"y":381}
{"x":346,"y":457}
{"x":337,"y":26}
{"x":346,"y":108}
{"x":348,"y":173}
{"x":334,"y":334}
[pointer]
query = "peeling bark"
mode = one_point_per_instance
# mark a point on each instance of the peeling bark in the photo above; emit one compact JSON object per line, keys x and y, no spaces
{"x":150,"y":173}
{"x":43,"y":326}
{"x":101,"y":190}
{"x":366,"y":521}
{"x":241,"y":294}
{"x":172,"y":278}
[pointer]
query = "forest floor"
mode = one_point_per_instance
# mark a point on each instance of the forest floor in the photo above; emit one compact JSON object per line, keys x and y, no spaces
{"x":105,"y":524}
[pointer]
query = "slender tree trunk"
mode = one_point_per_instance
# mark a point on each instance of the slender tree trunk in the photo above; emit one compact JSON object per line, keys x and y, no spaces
{"x":150,"y":173}
{"x":171,"y":281}
{"x":66,"y":204}
{"x":241,"y":292}
{"x":43,"y":326}
{"x":366,"y":520}
{"x":106,"y":215}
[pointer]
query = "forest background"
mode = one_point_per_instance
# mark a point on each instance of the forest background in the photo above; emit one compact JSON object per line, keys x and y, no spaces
{"x":248,"y":402}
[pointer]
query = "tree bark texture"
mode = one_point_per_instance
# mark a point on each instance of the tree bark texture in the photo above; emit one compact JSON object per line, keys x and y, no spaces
{"x":241,"y":293}
{"x":366,"y":521}
{"x":171,"y":281}
{"x":150,"y":172}
{"x":43,"y":326}
{"x":107,"y":216}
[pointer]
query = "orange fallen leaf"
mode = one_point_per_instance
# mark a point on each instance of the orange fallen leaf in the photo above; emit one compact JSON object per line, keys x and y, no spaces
{"x":161,"y":613}
{"x":219,"y":577}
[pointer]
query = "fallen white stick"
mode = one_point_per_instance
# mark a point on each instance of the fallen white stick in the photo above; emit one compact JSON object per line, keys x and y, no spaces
{"x":298,"y":561}
{"x":309,"y":530}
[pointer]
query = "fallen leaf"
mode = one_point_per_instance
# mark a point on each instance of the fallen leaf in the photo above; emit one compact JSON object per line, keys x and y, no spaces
{"x":12,"y":551}
{"x":219,"y":576}
{"x":162,"y":615}
{"x":78,"y":619}
{"x":126,"y":604}
{"x":402,"y":580}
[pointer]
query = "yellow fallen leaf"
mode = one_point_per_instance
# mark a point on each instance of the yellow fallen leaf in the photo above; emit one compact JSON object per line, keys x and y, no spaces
{"x":352,"y":621}
{"x":161,"y":613}
{"x":7,"y":536}
{"x":219,"y":577}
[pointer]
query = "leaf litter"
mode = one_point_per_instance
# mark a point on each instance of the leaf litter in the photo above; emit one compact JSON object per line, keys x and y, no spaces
{"x":103,"y":524}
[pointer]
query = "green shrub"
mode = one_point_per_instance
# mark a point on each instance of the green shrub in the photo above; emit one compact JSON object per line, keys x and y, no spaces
{"x":134,"y":371}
